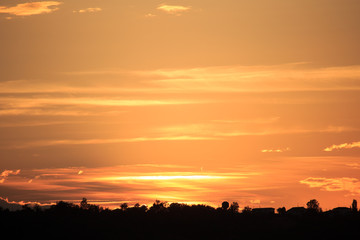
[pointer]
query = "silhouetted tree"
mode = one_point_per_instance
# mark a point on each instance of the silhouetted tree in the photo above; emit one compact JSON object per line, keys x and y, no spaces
{"x":225,"y":205}
{"x":84,"y":204}
{"x":177,"y":206}
{"x":63,"y":205}
{"x":234,"y":207}
{"x":26,"y":208}
{"x":95,"y":208}
{"x":281,"y":210}
{"x":143,"y":208}
{"x":246,"y":210}
{"x":37,"y":208}
{"x":158,"y":206}
{"x":177,"y":221}
{"x":354,"y":206}
{"x":313,"y":206}
{"x":137,"y":205}
{"x":124,"y":206}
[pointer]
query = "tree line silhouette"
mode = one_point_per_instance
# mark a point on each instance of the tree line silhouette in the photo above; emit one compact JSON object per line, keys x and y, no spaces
{"x":162,"y":220}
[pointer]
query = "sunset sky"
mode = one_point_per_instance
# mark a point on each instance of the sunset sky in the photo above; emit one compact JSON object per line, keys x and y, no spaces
{"x":253,"y":101}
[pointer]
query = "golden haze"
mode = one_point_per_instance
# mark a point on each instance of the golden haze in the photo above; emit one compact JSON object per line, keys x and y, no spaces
{"x":185,"y":101}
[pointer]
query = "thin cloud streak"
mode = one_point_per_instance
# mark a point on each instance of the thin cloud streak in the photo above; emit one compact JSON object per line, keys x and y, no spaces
{"x":173,"y":9}
{"x":226,"y":79}
{"x":260,"y":78}
{"x":234,"y":128}
{"x":108,"y":141}
{"x":44,"y":112}
{"x":88,"y":10}
{"x":342,"y":146}
{"x":34,"y":124}
{"x":38,"y":102}
{"x":275,"y":150}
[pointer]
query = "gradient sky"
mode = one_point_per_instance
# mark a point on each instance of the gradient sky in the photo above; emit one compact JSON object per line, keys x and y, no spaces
{"x":183,"y":101}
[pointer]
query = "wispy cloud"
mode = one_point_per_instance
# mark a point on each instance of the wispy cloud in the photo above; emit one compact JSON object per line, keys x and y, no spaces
{"x":33,"y":123}
{"x":280,"y":150}
{"x":233,"y":128}
{"x":48,"y":112}
{"x":277,"y":78}
{"x":88,"y":10}
{"x":342,"y":146}
{"x":23,"y":102}
{"x":351,"y":185}
{"x":31,"y":8}
{"x":6,"y":173}
{"x":223,"y":79}
{"x":173,"y":9}
{"x":81,"y":106}
{"x":46,"y":143}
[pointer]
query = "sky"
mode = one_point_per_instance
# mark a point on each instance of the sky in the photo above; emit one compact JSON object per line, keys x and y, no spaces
{"x":253,"y":101}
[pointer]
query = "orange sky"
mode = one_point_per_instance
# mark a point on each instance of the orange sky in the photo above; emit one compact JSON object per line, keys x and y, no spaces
{"x":189,"y":101}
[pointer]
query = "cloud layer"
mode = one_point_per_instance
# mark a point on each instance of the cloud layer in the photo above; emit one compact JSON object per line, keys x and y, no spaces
{"x":112,"y":185}
{"x":351,"y":185}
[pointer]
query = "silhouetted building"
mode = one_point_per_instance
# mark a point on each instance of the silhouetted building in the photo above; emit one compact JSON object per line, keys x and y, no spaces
{"x":263,"y":211}
{"x":298,"y":211}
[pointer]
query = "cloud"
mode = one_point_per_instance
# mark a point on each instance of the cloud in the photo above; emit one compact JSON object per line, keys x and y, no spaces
{"x":41,"y":102}
{"x":47,"y":143}
{"x":51,"y":112}
{"x":33,"y":123}
{"x":232,"y":128}
{"x":275,"y":150}
{"x":342,"y":146}
{"x":173,"y":9}
{"x":88,"y":10}
{"x":276,"y":78}
{"x":221,"y":79}
{"x":255,"y":201}
{"x":31,"y":8}
{"x":6,"y":173}
{"x":351,"y":185}
{"x":80,"y":106}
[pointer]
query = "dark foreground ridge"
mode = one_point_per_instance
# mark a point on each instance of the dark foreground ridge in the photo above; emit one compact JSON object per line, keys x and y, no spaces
{"x":177,"y":221}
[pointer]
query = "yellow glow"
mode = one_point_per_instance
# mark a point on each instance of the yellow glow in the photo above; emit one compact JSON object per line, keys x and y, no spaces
{"x":161,"y":178}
